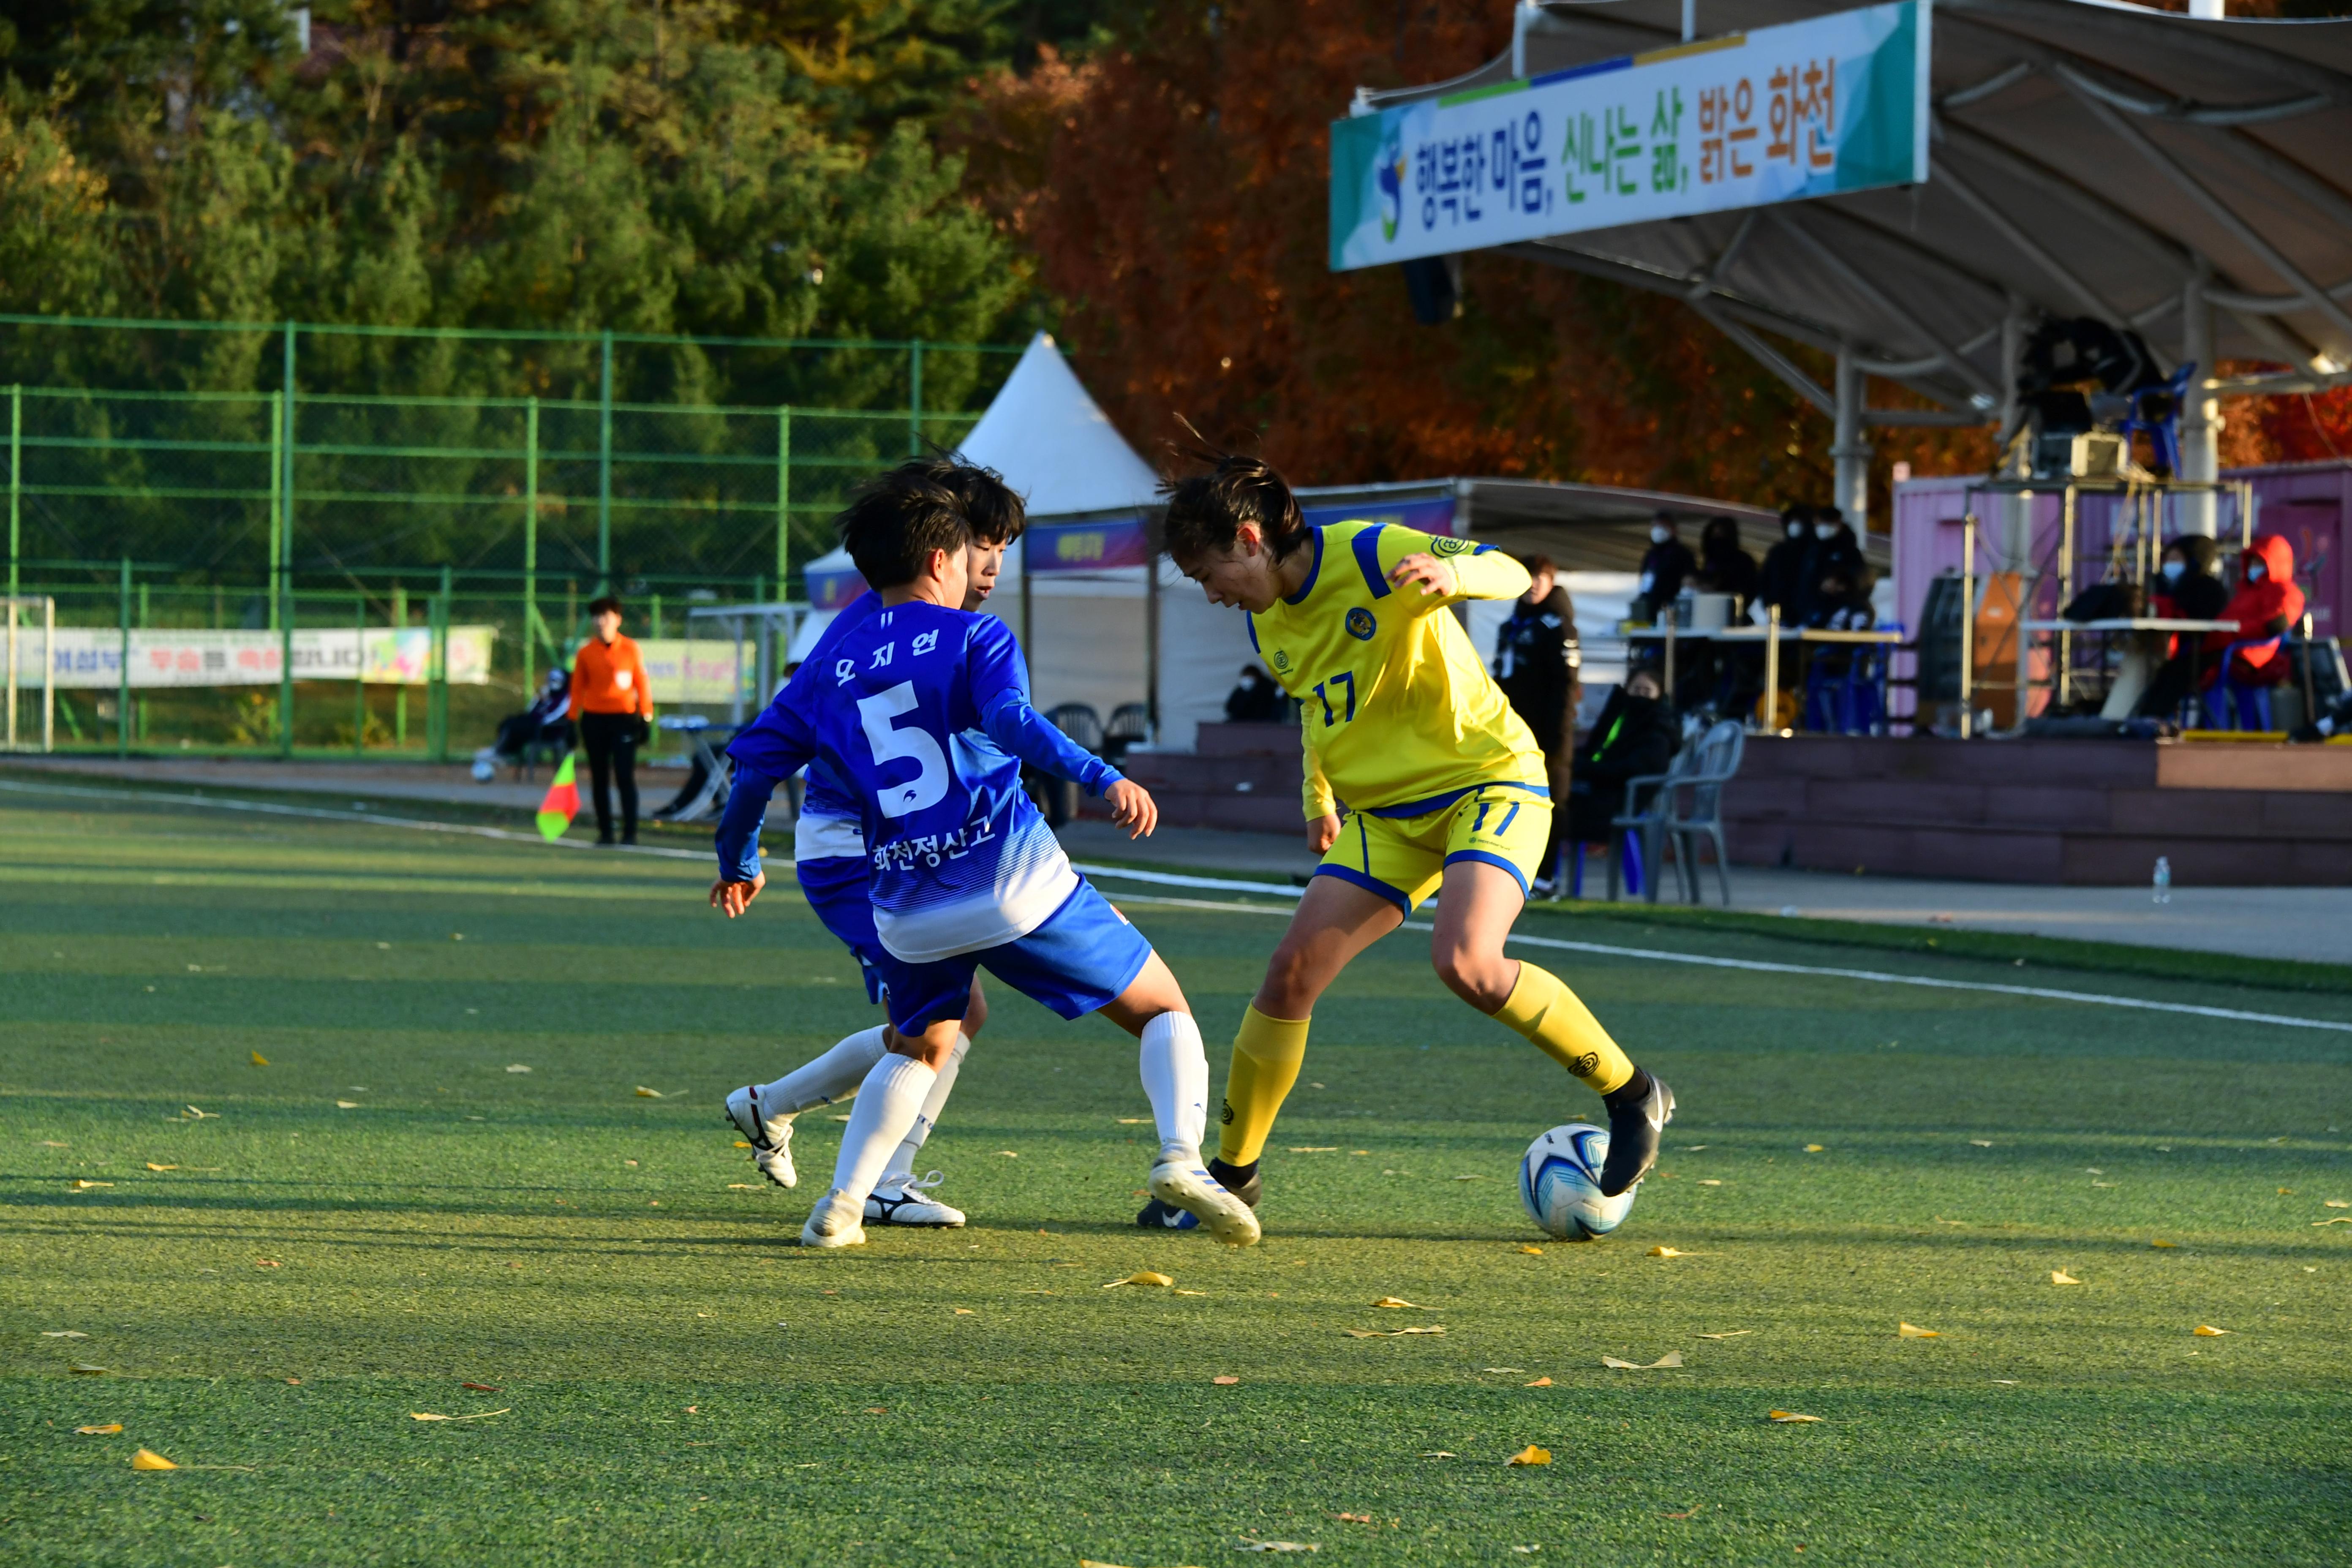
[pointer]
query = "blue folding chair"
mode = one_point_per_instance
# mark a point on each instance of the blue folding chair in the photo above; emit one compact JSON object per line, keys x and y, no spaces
{"x":2234,"y":705}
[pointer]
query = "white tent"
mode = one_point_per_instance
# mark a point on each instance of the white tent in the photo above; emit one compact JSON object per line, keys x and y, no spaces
{"x":1088,"y":629}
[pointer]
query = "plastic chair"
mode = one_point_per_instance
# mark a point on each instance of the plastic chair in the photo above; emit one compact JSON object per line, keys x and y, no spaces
{"x":1129,"y":723}
{"x":2234,"y":705}
{"x":1572,"y":857}
{"x":1079,"y":722}
{"x":1638,"y":829}
{"x":1694,"y":803}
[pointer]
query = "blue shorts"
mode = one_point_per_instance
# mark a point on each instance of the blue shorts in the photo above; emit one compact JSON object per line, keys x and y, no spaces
{"x":1083,"y":957}
{"x":835,"y":888}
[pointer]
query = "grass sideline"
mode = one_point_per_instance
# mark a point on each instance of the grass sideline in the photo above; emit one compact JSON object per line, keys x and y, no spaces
{"x":678,"y":1385}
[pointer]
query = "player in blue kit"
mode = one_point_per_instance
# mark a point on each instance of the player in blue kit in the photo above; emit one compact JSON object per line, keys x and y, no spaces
{"x":831,"y":865}
{"x":922,"y":710}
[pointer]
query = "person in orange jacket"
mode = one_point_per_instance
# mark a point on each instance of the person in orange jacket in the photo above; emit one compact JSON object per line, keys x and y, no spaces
{"x":614,"y":706}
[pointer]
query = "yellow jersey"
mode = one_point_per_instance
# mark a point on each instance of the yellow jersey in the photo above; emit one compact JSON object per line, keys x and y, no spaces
{"x":1396,"y":707}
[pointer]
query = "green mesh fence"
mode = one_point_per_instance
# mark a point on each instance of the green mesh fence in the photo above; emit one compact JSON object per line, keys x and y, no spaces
{"x":412,"y":479}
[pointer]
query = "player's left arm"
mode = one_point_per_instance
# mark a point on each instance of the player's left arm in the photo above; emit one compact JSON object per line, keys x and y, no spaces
{"x":1435,"y":573}
{"x":1000,"y":694}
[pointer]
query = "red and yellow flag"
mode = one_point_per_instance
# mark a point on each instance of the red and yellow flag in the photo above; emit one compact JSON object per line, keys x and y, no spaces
{"x":562,"y":805}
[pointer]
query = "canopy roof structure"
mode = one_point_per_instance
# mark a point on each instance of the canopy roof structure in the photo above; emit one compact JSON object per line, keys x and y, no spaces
{"x":1051,"y":441}
{"x":2088,"y":159}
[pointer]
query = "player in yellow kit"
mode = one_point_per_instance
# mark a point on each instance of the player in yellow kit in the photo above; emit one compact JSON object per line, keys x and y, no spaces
{"x":1419,"y":781}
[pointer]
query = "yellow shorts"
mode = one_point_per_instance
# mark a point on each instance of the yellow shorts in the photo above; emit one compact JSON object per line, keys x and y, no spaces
{"x":1403,"y":858}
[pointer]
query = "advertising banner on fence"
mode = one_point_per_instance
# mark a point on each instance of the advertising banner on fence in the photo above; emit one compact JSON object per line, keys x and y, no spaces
{"x":89,"y":657}
{"x":702,"y":671}
{"x":1811,"y":109}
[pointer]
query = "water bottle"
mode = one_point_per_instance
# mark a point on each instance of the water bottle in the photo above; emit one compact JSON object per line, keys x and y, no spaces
{"x":2163,"y":879}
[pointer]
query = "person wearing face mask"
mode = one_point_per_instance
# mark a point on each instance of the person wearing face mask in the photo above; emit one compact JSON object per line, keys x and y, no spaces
{"x":2186,"y":589}
{"x":1784,"y":564}
{"x":1664,"y":567}
{"x":1256,"y":700}
{"x":1635,"y":735}
{"x":2266,"y":604}
{"x":1836,"y":552}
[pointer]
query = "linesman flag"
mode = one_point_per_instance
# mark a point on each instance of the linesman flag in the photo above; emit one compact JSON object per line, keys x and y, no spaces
{"x":562,"y":805}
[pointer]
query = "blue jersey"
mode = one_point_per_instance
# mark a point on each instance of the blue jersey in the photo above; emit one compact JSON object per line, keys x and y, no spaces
{"x":924,"y":712}
{"x":828,"y":825}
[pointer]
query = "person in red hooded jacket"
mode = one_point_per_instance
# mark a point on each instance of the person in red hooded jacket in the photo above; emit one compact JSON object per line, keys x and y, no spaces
{"x":2266,"y":604}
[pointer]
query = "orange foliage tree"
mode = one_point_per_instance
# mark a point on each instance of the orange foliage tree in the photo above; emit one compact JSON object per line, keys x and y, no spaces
{"x":1172,"y":190}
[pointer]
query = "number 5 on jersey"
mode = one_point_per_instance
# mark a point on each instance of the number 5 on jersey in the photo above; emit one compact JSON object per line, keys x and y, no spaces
{"x":1345,"y":677}
{"x":929,"y":784}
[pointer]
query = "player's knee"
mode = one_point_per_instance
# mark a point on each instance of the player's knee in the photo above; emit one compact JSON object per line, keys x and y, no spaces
{"x":975,"y":1012}
{"x":1481,"y":979}
{"x":1290,"y":983}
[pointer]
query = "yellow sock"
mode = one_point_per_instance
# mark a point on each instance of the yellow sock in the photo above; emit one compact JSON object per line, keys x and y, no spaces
{"x":1564,"y":1029}
{"x":1266,"y":1057}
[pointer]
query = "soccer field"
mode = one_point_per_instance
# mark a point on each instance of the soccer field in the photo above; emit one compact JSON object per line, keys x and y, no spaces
{"x":391,"y":1211}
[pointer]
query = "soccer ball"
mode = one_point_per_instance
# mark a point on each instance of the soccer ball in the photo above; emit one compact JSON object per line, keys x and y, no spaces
{"x":1560,"y":1183}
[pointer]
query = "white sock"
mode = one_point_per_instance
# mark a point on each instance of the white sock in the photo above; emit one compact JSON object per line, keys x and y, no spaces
{"x":1176,"y":1076}
{"x":887,"y":1103}
{"x":828,"y":1080}
{"x":902,"y":1164}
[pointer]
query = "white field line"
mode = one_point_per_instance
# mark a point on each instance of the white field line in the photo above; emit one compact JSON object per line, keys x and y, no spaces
{"x":1655,"y":955}
{"x":1169,"y":879}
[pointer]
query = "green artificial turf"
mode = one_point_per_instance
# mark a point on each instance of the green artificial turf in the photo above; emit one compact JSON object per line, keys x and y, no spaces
{"x":680,"y":1385}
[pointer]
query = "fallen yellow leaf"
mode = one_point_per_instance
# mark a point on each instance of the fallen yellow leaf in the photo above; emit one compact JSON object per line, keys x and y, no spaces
{"x":1530,"y":1454}
{"x":1732,"y":1335}
{"x":1541,"y":1382}
{"x":1355,"y":1518}
{"x":259,"y":1060}
{"x":2339,"y":1219}
{"x":1788,"y":1417}
{"x":1192,"y":1292}
{"x":82,"y":1187}
{"x":1395,"y":1301}
{"x":2060,"y":1277}
{"x":2337,"y":1204}
{"x":1671,"y":1252}
{"x":645,"y":1093}
{"x":1224,"y":1380}
{"x":742,"y":1186}
{"x":742,"y":1143}
{"x":1672,"y":1358}
{"x":153,"y":1166}
{"x":1090,"y":1562}
{"x":1913,"y":1332}
{"x":965,"y":1312}
{"x":2207,"y":1331}
{"x":1532,"y":1251}
{"x":1006,"y":1152}
{"x":1392,"y":1333}
{"x":477,"y":1415}
{"x":1317,"y":1149}
{"x":108,"y":1430}
{"x":148,"y":1459}
{"x":1812,"y":1148}
{"x":1147,"y":1276}
{"x":2159,"y":1241}
{"x":347,"y":1105}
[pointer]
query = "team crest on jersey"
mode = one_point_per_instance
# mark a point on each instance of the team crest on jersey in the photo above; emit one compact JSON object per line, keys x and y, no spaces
{"x":1281,"y":659}
{"x":1360,"y":624}
{"x":1450,"y":546}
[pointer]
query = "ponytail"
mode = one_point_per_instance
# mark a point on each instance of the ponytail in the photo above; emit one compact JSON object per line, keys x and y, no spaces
{"x":1206,"y":511}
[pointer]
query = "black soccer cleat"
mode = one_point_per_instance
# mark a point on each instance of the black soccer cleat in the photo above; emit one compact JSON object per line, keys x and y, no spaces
{"x":1157,"y":1215}
{"x":1637,"y":1120}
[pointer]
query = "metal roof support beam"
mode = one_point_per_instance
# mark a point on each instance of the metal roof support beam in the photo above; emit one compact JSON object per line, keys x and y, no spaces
{"x":2085,"y":298}
{"x":1770,"y":358}
{"x":1789,"y":223}
{"x":2201,"y":415}
{"x":1850,"y":447}
{"x":1955,"y":418}
{"x":2219,"y":210}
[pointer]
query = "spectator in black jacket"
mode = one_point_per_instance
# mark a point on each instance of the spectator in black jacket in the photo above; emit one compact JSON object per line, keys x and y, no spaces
{"x":1725,"y":568}
{"x":2190,"y":589}
{"x":1836,"y":552}
{"x":1634,"y":735}
{"x":1537,"y":657}
{"x":1783,"y":570}
{"x":1255,"y":699}
{"x":1664,"y":567}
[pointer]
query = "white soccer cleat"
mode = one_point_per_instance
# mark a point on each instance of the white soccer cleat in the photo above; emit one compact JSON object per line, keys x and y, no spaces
{"x":902,"y":1200}
{"x":835,"y":1223}
{"x":771,"y":1137}
{"x":1187,"y":1184}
